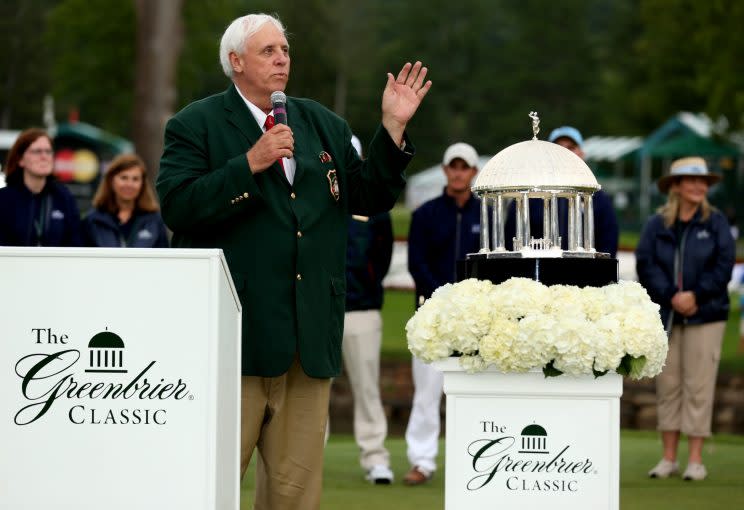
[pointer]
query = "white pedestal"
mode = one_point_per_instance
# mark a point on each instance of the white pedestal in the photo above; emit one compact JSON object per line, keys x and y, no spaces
{"x":119,"y":381}
{"x":523,"y":442}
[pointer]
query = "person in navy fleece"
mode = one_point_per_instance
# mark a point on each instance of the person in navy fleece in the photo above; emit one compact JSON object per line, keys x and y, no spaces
{"x":125,"y":212}
{"x":684,"y":260}
{"x":35,"y":209}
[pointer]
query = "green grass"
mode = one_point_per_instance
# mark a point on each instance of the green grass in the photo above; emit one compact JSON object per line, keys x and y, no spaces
{"x":344,"y":486}
{"x":400,"y":216}
{"x":399,"y":306}
{"x":628,"y":240}
{"x":732,"y":356}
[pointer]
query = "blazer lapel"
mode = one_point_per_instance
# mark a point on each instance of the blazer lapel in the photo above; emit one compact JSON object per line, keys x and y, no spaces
{"x":303,"y":138}
{"x":241,"y":117}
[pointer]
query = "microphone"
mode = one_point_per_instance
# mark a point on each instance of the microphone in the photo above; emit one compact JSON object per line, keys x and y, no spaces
{"x":279,"y":105}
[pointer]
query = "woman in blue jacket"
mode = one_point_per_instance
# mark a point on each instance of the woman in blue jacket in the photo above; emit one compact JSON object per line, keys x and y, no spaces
{"x":125,"y":212}
{"x":684,"y":260}
{"x":36,"y":210}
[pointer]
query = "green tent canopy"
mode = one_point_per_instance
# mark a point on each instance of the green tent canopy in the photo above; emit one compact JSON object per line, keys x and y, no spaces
{"x":104,"y":143}
{"x":691,"y":144}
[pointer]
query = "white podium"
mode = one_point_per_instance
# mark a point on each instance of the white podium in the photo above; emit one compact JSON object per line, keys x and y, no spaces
{"x":119,"y":380}
{"x":524,"y":442}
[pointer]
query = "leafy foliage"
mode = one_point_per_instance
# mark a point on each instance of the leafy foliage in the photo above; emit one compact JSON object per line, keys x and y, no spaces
{"x":92,"y":46}
{"x":24,"y":62}
{"x":605,"y":66}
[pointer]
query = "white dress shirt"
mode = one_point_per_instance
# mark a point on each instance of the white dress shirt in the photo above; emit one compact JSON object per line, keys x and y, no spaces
{"x":290,"y":165}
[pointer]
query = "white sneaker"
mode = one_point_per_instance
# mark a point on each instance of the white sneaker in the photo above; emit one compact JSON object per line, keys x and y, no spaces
{"x":379,"y":475}
{"x":695,"y":471}
{"x":664,"y":469}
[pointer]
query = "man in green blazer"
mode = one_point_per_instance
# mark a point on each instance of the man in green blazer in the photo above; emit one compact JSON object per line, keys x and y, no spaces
{"x":276,"y":200}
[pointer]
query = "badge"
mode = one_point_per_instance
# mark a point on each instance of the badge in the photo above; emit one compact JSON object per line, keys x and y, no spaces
{"x":333,"y":184}
{"x":325,"y":158}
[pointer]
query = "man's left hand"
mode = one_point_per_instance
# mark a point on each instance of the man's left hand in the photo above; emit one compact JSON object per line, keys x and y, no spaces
{"x":402,"y":97}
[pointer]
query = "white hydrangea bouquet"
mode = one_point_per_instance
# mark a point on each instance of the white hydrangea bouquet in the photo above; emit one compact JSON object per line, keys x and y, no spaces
{"x":522,"y":325}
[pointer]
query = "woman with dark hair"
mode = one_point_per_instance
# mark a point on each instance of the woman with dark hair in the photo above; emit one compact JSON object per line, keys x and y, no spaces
{"x":684,"y":260}
{"x":125,"y":212}
{"x":36,"y":210}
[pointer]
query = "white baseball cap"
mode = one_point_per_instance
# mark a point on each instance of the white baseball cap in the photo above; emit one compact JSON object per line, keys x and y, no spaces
{"x":463,"y":151}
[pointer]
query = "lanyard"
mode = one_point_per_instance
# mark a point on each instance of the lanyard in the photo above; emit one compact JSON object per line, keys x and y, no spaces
{"x":130,"y":238}
{"x":41,"y":221}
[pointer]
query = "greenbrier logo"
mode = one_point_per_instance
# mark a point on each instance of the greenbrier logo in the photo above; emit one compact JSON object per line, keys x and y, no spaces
{"x":106,"y":350}
{"x":534,"y":439}
{"x":531,"y":466}
{"x":49,"y":379}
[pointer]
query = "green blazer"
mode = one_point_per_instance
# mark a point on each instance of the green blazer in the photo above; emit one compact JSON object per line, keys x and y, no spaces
{"x":285,"y":244}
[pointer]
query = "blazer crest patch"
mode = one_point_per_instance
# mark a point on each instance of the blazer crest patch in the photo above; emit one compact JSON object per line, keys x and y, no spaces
{"x":333,"y":184}
{"x":325,"y":157}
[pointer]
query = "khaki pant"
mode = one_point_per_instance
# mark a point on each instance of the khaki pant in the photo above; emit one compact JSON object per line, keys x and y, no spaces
{"x":284,"y":418}
{"x":361,"y":351}
{"x":686,"y":385}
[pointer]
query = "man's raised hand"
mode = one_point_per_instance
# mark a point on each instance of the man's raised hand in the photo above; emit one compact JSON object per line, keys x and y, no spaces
{"x":402,"y":97}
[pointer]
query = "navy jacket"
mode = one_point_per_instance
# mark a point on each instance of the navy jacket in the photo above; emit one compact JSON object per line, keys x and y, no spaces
{"x":368,"y":253}
{"x":706,"y":257}
{"x":60,"y":218}
{"x":441,"y":233}
{"x":605,"y":223}
{"x":103,"y":230}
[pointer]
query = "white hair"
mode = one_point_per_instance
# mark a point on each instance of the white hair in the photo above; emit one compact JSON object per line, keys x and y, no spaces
{"x":239,"y":31}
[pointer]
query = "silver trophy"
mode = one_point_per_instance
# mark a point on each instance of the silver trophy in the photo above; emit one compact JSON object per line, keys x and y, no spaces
{"x":537,"y":170}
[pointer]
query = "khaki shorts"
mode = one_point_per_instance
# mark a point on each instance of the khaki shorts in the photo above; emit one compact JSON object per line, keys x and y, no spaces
{"x":686,"y":386}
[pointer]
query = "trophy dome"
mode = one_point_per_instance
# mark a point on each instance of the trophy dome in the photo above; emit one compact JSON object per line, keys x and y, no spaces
{"x":533,"y":166}
{"x":535,"y":170}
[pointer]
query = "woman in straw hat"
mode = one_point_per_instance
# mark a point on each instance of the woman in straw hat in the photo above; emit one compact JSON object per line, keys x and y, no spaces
{"x":684,"y":260}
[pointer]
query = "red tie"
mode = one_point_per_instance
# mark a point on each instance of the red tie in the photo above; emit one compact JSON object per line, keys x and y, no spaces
{"x":268,"y":125}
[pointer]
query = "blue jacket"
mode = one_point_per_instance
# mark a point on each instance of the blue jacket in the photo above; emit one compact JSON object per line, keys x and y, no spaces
{"x":441,"y":234}
{"x":103,"y":230}
{"x":605,"y":223}
{"x":368,"y":253}
{"x":706,"y":254}
{"x":59,"y":218}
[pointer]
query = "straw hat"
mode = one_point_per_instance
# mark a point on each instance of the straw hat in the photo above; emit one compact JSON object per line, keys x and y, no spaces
{"x":687,"y":167}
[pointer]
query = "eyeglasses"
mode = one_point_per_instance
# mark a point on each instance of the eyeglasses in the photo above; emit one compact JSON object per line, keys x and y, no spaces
{"x":39,"y":152}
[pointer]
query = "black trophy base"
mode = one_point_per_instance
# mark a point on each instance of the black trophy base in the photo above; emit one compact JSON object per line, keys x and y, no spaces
{"x":582,"y":272}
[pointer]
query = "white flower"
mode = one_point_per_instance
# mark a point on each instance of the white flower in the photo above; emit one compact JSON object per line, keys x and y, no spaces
{"x":564,"y":300}
{"x":521,"y":325}
{"x":466,"y":316}
{"x":472,"y":364}
{"x":594,"y":303}
{"x":496,"y":346}
{"x":424,"y":340}
{"x":609,"y":348}
{"x":574,"y":343}
{"x":517,"y":296}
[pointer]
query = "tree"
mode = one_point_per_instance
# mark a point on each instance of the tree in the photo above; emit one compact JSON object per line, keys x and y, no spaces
{"x":686,"y":57}
{"x":159,"y":38}
{"x":91,"y":46}
{"x":24,"y":60}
